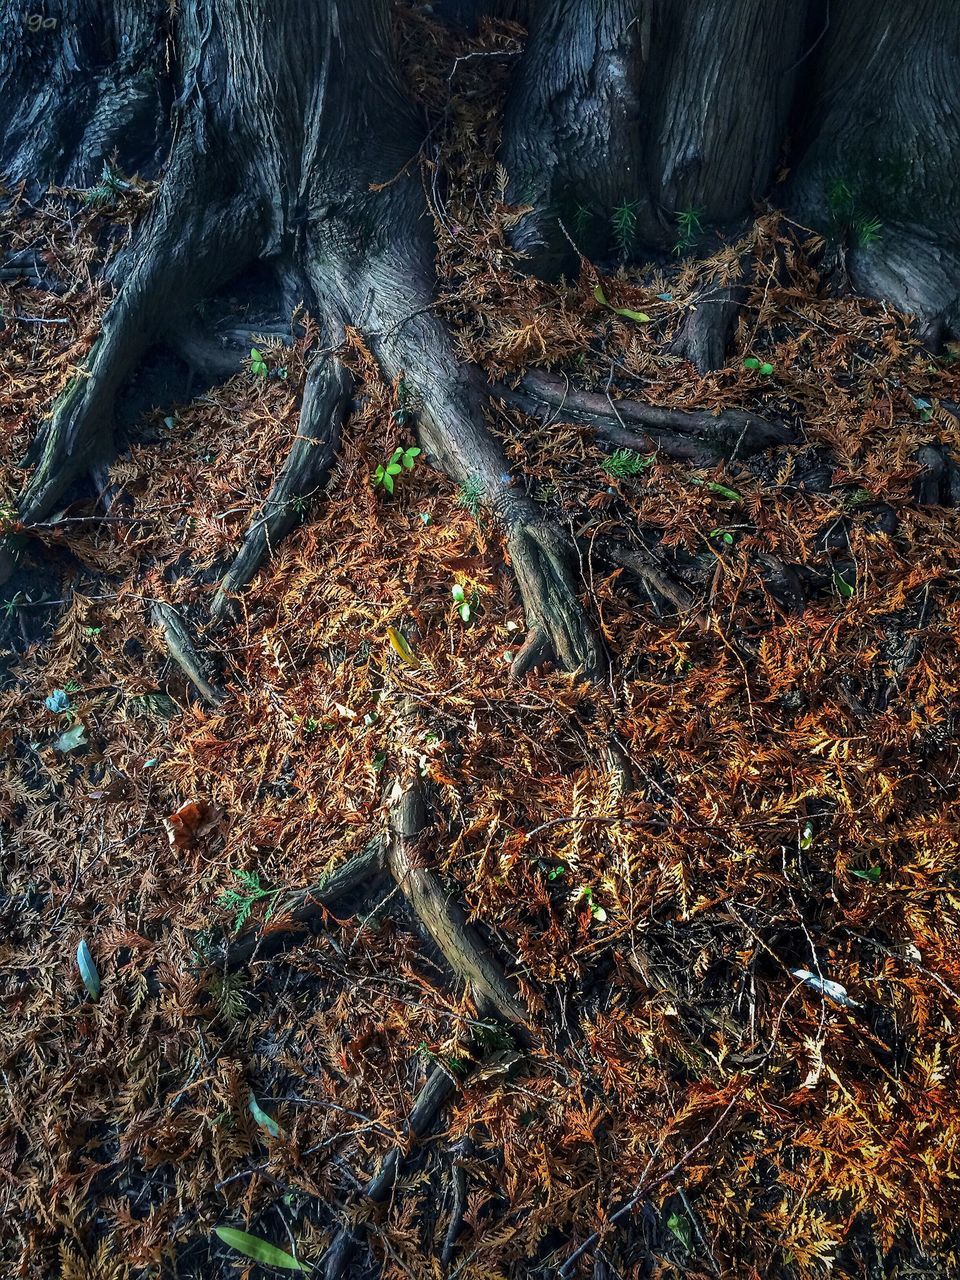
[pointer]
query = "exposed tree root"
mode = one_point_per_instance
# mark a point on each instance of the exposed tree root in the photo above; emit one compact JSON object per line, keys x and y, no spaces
{"x":294,"y":921}
{"x":703,"y":335}
{"x":325,"y":400}
{"x":694,"y":434}
{"x":458,"y":1197}
{"x":184,"y":652}
{"x":438,"y":1088}
{"x":440,"y":914}
{"x":181,"y":256}
{"x":653,"y":577}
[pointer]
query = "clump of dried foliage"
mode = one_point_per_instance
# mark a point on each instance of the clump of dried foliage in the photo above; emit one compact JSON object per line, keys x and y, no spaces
{"x":785,"y":799}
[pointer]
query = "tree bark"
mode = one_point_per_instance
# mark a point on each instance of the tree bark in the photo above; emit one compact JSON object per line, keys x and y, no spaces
{"x":879,"y":173}
{"x":81,"y":80}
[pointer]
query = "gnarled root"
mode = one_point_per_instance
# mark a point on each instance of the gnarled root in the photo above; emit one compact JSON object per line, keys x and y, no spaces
{"x":703,"y":335}
{"x":183,"y":253}
{"x":540,"y":556}
{"x":697,"y":435}
{"x":440,"y":1084}
{"x":325,"y":401}
{"x":441,"y":916}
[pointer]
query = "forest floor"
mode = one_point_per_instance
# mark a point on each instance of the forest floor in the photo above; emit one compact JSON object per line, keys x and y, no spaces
{"x":785,"y":803}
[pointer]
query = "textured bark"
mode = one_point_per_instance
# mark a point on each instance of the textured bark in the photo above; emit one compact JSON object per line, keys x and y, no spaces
{"x":76,"y":91}
{"x":660,"y":107}
{"x":882,"y":135}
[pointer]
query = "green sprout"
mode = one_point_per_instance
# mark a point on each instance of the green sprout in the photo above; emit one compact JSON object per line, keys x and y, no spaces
{"x":241,"y":901}
{"x":470,"y":495}
{"x":400,"y":460}
{"x":624,"y":222}
{"x":689,"y":227}
{"x":624,"y":463}
{"x":461,"y":602}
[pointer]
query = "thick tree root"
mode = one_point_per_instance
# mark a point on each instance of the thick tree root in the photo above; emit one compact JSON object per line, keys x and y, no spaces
{"x":184,"y":652}
{"x":325,"y":401}
{"x":703,"y":335}
{"x":441,"y":916}
{"x":301,"y":913}
{"x":438,"y":1088}
{"x":695,"y":434}
{"x":462,"y":1151}
{"x":180,"y":257}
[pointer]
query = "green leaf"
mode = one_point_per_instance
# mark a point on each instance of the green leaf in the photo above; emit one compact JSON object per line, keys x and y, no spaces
{"x":71,"y":739}
{"x":408,"y":457}
{"x":397,"y":454}
{"x":388,"y":481}
{"x":600,"y":296}
{"x":394,"y":469}
{"x":680,"y":1227}
{"x":871,"y":875}
{"x":751,"y":362}
{"x":262,"y":1119}
{"x":720,"y":489}
{"x":806,"y":836}
{"x":598,"y":913}
{"x":640,"y":316}
{"x":464,"y":612}
{"x":457,"y":591}
{"x":88,"y":970}
{"x":766,"y":369}
{"x":257,"y":1249}
{"x":842,"y":586}
{"x":258,"y":366}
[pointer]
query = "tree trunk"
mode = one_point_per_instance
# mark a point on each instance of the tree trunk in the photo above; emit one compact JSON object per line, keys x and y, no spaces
{"x":80,"y":84}
{"x":880,"y":171}
{"x":633,"y":120}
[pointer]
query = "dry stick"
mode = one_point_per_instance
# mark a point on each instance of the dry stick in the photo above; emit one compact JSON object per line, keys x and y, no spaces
{"x":184,"y":652}
{"x":443,"y":918}
{"x":303,"y":909}
{"x":440,"y":1084}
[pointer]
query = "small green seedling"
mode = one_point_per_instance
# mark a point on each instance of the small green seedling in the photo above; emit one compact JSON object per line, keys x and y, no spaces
{"x":679,"y":1226}
{"x":806,"y":836}
{"x":557,"y":873}
{"x":461,"y":602}
{"x":400,"y":460}
{"x":762,"y":367}
{"x":624,"y":222}
{"x":470,"y":495}
{"x":585,"y":894}
{"x":842,"y":586}
{"x":871,"y":875}
{"x":624,"y":463}
{"x":689,"y":227}
{"x":724,"y":535}
{"x":241,"y":901}
{"x":258,"y":366}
